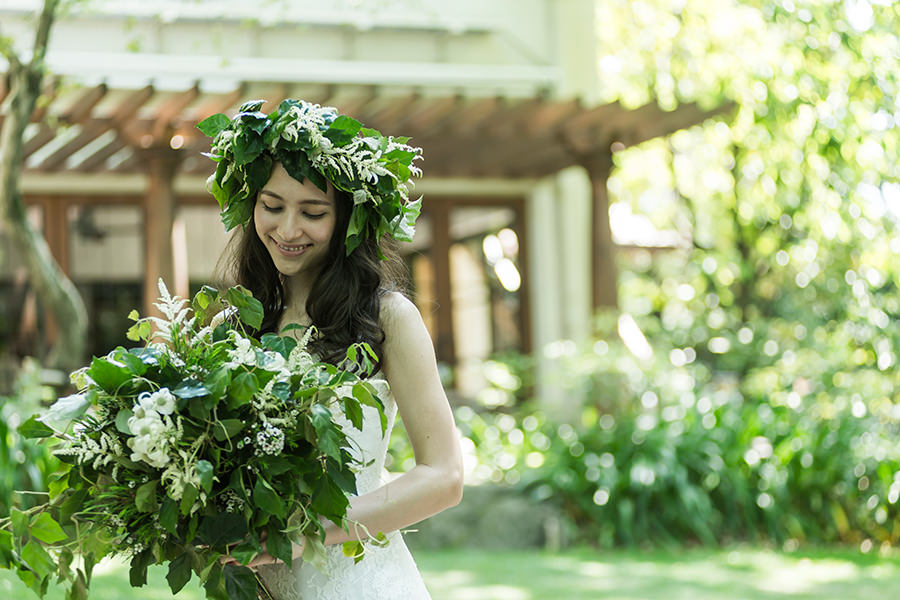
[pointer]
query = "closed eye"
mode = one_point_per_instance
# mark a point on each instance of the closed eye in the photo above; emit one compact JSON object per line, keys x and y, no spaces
{"x":272,"y":209}
{"x":314,"y":215}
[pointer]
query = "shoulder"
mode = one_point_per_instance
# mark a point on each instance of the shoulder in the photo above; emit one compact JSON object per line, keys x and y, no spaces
{"x":397,"y":309}
{"x":405,"y":334}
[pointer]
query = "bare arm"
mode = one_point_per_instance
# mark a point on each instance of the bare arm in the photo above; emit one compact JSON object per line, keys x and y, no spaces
{"x":435,"y":483}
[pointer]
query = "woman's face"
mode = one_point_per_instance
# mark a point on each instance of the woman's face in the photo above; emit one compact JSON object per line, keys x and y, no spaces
{"x":295,"y":222}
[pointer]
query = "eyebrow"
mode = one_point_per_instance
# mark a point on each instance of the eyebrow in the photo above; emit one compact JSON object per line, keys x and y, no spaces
{"x":317,"y":201}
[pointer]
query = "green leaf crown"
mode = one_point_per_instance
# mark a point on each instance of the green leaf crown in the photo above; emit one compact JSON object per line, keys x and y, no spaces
{"x":317,"y":143}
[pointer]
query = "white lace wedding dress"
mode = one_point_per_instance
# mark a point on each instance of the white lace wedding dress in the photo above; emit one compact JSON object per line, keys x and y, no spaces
{"x":386,"y":573}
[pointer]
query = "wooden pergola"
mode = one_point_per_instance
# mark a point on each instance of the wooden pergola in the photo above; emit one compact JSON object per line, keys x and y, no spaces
{"x":151,"y":132}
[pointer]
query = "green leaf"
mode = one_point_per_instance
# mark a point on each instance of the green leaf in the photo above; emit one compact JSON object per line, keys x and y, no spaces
{"x":137,"y":574}
{"x":217,"y":382}
{"x":37,"y":559}
{"x":343,"y":129}
{"x":44,"y":528}
{"x":145,"y":498}
{"x":205,"y":472}
{"x":168,"y":515}
{"x":32,"y":428}
{"x":280,"y":344}
{"x":219,"y":530}
{"x":65,"y":410}
{"x":212,"y":125}
{"x":190,"y":388}
{"x":122,"y":420}
{"x":107,"y":375}
{"x":328,"y":434}
{"x":240,"y":583}
{"x":247,"y":550}
{"x":329,"y":500}
{"x":250,"y":309}
{"x":242,"y":389}
{"x":278,"y":545}
{"x":353,"y":412}
{"x":247,"y":146}
{"x":188,"y":498}
{"x":19,"y":522}
{"x":7,"y":558}
{"x":179,"y":573}
{"x":227,"y":428}
{"x":267,"y":499}
{"x":78,"y":591}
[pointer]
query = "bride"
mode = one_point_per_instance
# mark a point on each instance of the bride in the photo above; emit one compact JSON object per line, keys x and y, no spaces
{"x":319,"y":200}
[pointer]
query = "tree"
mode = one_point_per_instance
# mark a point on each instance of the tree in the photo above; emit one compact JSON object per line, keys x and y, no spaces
{"x":56,"y":292}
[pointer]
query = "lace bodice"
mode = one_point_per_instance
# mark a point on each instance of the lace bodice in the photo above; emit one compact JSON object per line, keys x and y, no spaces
{"x":386,"y":573}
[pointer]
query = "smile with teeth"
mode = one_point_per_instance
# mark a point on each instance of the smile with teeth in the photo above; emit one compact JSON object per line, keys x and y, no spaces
{"x":291,"y":249}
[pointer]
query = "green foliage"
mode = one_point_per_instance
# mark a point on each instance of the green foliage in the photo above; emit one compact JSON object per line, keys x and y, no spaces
{"x":24,"y":464}
{"x":202,"y":439}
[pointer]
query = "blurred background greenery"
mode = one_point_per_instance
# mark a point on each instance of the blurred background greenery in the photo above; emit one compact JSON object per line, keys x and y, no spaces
{"x":746,"y":388}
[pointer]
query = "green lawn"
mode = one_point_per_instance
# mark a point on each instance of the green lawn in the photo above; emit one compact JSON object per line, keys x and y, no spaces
{"x":738,"y":574}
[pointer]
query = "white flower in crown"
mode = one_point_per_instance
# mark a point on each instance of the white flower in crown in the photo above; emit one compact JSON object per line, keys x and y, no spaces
{"x":161,"y":401}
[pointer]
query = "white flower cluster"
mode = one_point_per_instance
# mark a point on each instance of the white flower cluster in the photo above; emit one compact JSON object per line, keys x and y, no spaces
{"x":244,"y":353}
{"x":269,"y":440}
{"x":98,"y":453}
{"x":232,"y":501}
{"x":178,"y":475}
{"x":152,"y":428}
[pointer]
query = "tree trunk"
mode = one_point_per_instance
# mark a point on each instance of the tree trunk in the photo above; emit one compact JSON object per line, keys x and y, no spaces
{"x":55,"y":291}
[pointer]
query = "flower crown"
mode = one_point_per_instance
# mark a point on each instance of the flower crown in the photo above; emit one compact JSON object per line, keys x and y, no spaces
{"x":318,"y":143}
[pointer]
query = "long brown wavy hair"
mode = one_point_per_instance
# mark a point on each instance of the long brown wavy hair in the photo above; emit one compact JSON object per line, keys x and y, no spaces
{"x":344,"y":303}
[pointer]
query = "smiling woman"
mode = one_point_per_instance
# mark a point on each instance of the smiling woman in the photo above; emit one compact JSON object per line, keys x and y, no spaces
{"x":319,"y":198}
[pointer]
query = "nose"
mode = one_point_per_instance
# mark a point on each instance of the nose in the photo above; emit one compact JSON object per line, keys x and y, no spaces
{"x":290,"y":227}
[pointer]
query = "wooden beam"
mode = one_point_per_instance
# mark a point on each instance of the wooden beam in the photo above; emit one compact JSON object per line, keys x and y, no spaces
{"x":42,"y":136}
{"x":416,"y":121}
{"x":439,"y":212}
{"x":56,"y":230}
{"x":159,"y":215}
{"x":81,"y":109}
{"x":163,"y":120}
{"x":604,"y":292}
{"x":98,"y":158}
{"x":217,"y":104}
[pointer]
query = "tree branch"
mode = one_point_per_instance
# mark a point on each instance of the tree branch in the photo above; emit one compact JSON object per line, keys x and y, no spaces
{"x":42,"y":36}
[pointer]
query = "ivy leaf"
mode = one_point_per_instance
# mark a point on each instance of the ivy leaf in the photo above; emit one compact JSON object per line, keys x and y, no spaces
{"x":205,"y":472}
{"x":327,"y":433}
{"x":179,"y":573}
{"x":122,"y":420}
{"x":240,"y":582}
{"x":242,"y":389}
{"x":329,"y":500}
{"x":249,"y":308}
{"x":211,"y":126}
{"x":168,"y":515}
{"x":191,"y":388}
{"x":227,"y":428}
{"x":221,"y":529}
{"x":353,"y":412}
{"x":247,"y":146}
{"x":137,"y":574}
{"x":267,"y":499}
{"x":237,"y":212}
{"x":246,"y":550}
{"x":343,"y":129}
{"x":44,"y":528}
{"x":217,"y":382}
{"x":278,"y":545}
{"x":107,"y":375}
{"x":280,"y":344}
{"x":145,"y":498}
{"x":32,"y":428}
{"x":67,"y":409}
{"x":188,"y":498}
{"x":19,"y":522}
{"x":37,"y":559}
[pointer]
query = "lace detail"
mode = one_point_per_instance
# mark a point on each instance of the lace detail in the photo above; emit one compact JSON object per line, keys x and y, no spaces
{"x":386,"y":573}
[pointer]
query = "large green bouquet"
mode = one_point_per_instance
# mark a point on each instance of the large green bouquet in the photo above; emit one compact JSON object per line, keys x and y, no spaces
{"x":202,"y":442}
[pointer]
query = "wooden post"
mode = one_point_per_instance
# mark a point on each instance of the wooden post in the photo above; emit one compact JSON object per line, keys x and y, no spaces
{"x":440,"y":254}
{"x":159,"y":214}
{"x":604,"y":291}
{"x":56,"y":232}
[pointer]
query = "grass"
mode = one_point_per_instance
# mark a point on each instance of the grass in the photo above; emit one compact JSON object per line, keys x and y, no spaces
{"x":733,"y":574}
